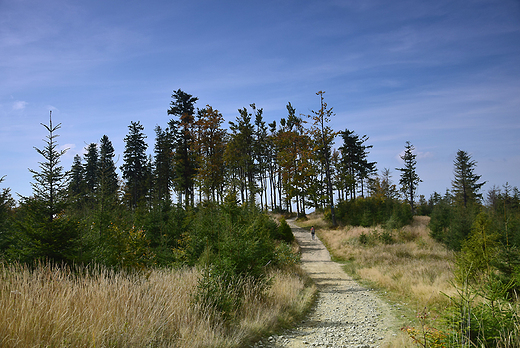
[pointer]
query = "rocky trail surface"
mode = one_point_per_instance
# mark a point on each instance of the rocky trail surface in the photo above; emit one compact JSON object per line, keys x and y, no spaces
{"x":346,"y":314}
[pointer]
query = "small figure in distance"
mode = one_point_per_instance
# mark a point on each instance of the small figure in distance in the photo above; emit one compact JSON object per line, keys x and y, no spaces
{"x":313,"y":232}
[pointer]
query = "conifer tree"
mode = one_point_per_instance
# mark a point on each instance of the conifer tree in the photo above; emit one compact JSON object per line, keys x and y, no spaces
{"x":465,"y":185}
{"x":108,"y":181}
{"x":261,"y":151}
{"x":163,"y":164}
{"x":51,"y":181}
{"x":107,"y":191}
{"x":409,"y":178}
{"x":6,"y":208}
{"x":240,"y":155}
{"x":77,"y":185}
{"x":47,"y":233}
{"x":135,"y":167}
{"x":92,"y":168}
{"x":183,"y":107}
{"x":273,"y":166}
{"x":354,"y":166}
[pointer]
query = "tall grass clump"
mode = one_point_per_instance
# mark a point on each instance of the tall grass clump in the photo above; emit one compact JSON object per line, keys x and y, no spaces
{"x":53,"y":306}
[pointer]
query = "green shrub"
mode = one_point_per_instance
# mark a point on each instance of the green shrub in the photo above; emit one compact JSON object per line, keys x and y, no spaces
{"x":234,"y":244}
{"x":284,"y":256}
{"x":363,"y":238}
{"x":284,"y":232}
{"x":372,"y":211}
{"x":386,"y":237}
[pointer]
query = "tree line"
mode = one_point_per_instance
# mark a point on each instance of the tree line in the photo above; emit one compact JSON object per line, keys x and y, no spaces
{"x":196,"y":162}
{"x":148,"y":214}
{"x":280,"y":165}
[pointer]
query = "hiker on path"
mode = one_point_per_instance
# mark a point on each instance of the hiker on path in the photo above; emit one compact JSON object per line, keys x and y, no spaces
{"x":313,"y":232}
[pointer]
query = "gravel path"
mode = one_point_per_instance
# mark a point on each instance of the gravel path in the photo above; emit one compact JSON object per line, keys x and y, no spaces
{"x":345,"y":315}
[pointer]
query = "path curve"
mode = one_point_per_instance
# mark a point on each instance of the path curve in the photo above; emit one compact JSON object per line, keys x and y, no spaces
{"x":346,"y":314}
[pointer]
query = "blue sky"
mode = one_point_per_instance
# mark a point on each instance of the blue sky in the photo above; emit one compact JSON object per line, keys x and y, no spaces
{"x":444,"y":75}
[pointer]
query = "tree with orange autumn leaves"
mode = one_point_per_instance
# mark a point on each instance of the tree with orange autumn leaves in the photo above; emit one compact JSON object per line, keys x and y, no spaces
{"x":210,"y":147}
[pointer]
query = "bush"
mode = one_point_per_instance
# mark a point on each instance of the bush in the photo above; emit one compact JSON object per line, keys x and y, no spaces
{"x":372,"y":211}
{"x":451,"y":224}
{"x":235,"y":246}
{"x":386,"y":237}
{"x":220,"y":290}
{"x":284,"y":255}
{"x":363,"y":238}
{"x":493,"y":317}
{"x":284,"y":232}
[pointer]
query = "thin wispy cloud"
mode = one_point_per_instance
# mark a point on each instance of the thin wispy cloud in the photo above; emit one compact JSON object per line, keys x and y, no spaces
{"x":19,"y":105}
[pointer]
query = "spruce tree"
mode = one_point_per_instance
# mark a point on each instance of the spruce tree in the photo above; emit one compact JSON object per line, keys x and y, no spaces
{"x":77,"y":178}
{"x":92,"y":168}
{"x":107,"y":191}
{"x":51,"y":181}
{"x":185,"y":162}
{"x":7,"y":205}
{"x":240,"y":155}
{"x":135,"y":167}
{"x":465,"y":185}
{"x":354,"y":165}
{"x":77,"y":186}
{"x":324,"y":138}
{"x":261,"y":153}
{"x":163,"y":164}
{"x":108,"y":181}
{"x":47,"y":232}
{"x":409,"y":178}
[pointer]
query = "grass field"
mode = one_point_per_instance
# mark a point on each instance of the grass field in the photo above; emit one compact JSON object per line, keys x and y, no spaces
{"x":55,"y":307}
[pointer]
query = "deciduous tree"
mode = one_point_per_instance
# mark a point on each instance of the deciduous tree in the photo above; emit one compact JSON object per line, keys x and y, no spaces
{"x":210,"y":145}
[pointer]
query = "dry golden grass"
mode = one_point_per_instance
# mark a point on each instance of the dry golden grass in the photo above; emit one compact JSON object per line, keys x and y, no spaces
{"x":51,"y":306}
{"x":414,"y":269}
